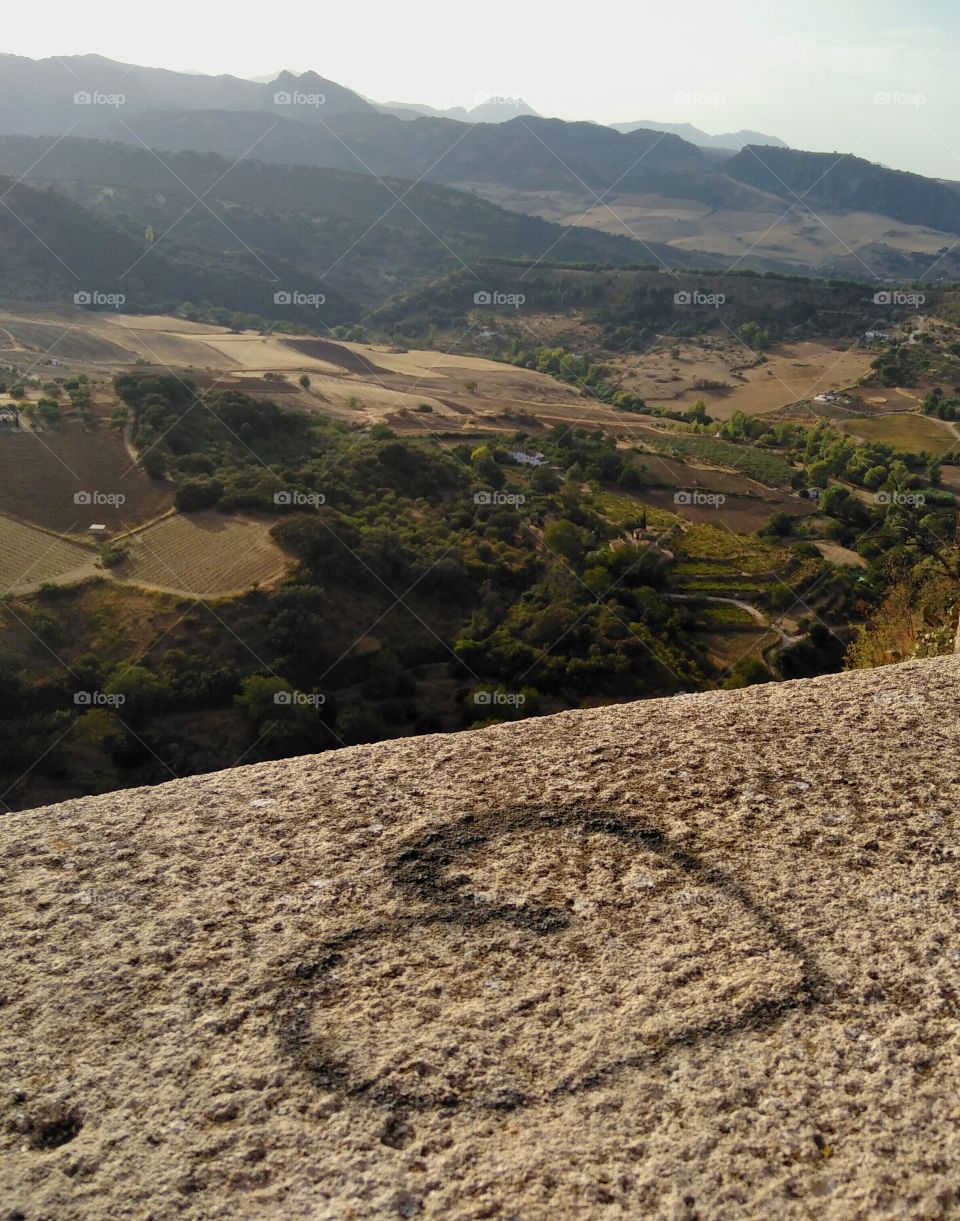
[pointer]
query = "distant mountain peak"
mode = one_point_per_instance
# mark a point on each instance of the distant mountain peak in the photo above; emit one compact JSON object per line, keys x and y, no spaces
{"x":732,"y":140}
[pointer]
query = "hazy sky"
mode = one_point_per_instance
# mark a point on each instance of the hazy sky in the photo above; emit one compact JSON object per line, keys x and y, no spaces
{"x":808,"y":71}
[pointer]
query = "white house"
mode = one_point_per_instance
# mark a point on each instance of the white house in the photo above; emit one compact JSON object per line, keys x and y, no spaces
{"x":98,"y":530}
{"x":522,"y":459}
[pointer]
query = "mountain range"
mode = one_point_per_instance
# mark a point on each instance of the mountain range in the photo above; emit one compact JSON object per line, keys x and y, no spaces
{"x":730,"y":140}
{"x":34,"y":93}
{"x":301,"y":179}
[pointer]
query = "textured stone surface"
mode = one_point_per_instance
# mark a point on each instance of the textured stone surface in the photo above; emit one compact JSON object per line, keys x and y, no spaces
{"x":696,"y":957}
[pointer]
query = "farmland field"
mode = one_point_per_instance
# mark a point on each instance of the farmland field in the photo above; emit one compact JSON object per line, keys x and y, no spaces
{"x":905,"y":431}
{"x":950,"y":478}
{"x":726,"y":232}
{"x":763,"y":465}
{"x":668,"y":374}
{"x":362,"y":383}
{"x":29,"y":557}
{"x":742,"y":514}
{"x":837,"y":554}
{"x":41,"y":473}
{"x":203,"y":554}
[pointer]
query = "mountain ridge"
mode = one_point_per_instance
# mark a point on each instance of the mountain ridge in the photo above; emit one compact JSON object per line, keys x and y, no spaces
{"x":731,"y":140}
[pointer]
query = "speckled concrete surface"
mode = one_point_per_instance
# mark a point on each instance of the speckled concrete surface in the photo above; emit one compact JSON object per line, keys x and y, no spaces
{"x":684,"y":958}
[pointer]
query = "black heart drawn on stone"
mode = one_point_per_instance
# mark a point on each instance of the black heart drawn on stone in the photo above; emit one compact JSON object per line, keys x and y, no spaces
{"x":387,"y":1013}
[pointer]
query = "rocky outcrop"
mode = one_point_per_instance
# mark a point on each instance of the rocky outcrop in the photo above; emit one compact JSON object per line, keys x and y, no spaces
{"x":696,"y":957}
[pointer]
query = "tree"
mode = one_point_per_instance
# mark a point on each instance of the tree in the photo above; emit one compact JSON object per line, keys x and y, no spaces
{"x":198,"y":494}
{"x":137,"y":689}
{"x":281,"y":715}
{"x":819,"y":473}
{"x":484,"y":463}
{"x":779,"y":525}
{"x":545,"y":480}
{"x":358,"y":724}
{"x":258,"y":694}
{"x":697,"y":413}
{"x":874,"y":477}
{"x":747,"y":673}
{"x":564,"y":538}
{"x":754,"y":336}
{"x":304,"y":381}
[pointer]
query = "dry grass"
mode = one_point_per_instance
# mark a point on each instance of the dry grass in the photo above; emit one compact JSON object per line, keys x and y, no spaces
{"x":689,"y":225}
{"x":905,"y":431}
{"x":790,"y":372}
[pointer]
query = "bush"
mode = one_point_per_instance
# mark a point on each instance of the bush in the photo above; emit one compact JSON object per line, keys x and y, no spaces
{"x":198,"y":494}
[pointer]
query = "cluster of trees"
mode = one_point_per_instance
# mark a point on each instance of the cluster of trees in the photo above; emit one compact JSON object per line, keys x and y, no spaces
{"x":826,"y":454}
{"x":592,"y":378}
{"x":936,"y":403}
{"x":47,"y":409}
{"x":928,"y":357}
{"x":754,"y":336}
{"x":476,"y":596}
{"x":498,"y":589}
{"x":908,"y":524}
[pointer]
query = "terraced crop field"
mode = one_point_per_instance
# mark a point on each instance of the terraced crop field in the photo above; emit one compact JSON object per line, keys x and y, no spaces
{"x":29,"y":557}
{"x":203,"y":554}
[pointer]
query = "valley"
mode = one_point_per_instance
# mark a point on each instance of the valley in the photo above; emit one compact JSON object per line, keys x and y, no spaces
{"x":479,"y":593}
{"x":775,"y":233}
{"x":655,"y":517}
{"x":495,"y":419}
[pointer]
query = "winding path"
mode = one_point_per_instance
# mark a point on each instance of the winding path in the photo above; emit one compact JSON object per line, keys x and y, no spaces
{"x":785,"y":639}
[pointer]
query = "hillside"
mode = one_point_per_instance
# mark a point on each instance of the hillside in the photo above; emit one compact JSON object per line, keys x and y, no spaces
{"x":685,"y":204}
{"x":52,"y":249}
{"x":685,"y":958}
{"x":839,"y":180}
{"x":355,"y":238}
{"x":522,"y":152}
{"x":627,"y":308}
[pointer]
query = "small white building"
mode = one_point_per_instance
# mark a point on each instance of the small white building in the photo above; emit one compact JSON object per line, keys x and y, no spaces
{"x":522,"y":459}
{"x":9,"y":416}
{"x":98,"y":530}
